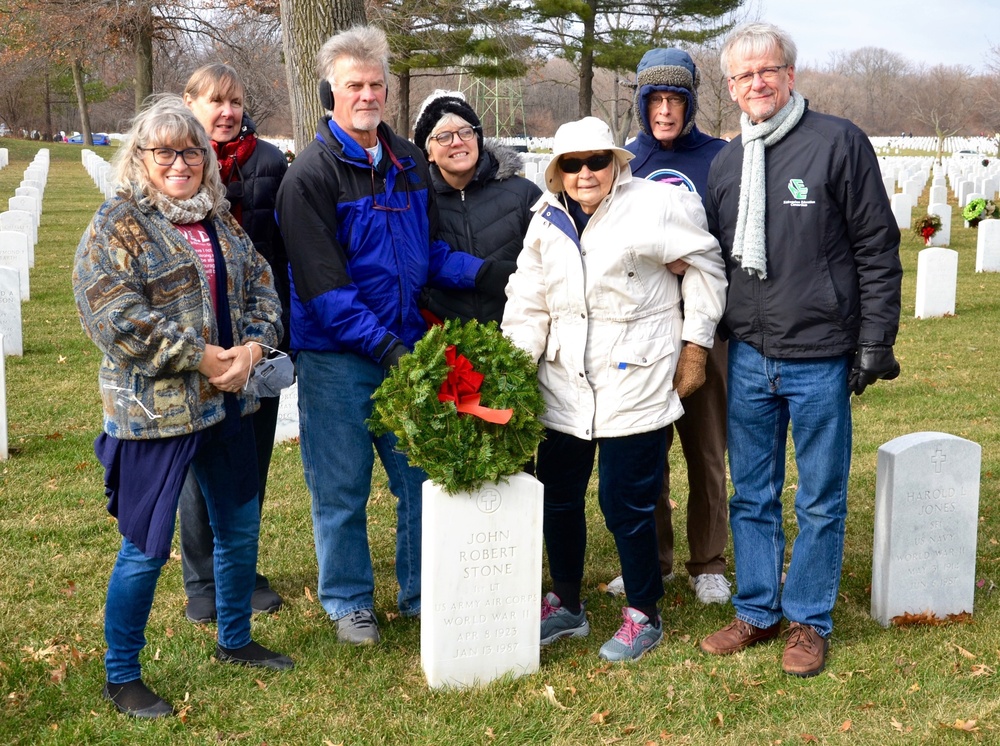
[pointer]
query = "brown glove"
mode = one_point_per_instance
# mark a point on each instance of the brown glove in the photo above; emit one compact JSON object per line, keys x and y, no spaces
{"x":690,"y":374}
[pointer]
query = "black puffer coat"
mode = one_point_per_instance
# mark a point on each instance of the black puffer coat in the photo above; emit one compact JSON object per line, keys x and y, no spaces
{"x":487,"y":219}
{"x":261,"y":175}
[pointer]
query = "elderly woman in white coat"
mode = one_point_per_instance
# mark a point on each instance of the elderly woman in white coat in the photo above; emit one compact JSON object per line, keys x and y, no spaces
{"x":596,"y":301}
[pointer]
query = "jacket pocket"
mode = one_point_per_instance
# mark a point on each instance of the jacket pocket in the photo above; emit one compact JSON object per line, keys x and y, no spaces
{"x":643,"y":353}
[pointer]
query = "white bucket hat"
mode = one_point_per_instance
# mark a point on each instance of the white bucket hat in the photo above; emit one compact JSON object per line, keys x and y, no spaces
{"x":581,"y":136}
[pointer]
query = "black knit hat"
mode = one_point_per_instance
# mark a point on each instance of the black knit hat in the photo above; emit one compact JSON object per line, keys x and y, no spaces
{"x":436,"y":106}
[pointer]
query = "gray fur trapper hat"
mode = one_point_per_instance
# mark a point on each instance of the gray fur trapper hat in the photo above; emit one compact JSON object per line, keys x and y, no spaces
{"x":666,"y":70}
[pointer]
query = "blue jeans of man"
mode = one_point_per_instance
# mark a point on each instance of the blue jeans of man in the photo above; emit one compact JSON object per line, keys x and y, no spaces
{"x":334,"y":403}
{"x":630,"y":472}
{"x":133,"y":583}
{"x":764,"y":395}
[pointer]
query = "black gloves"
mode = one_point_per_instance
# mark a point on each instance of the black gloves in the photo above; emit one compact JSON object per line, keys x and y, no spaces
{"x":392,"y":355}
{"x":871,"y":362}
{"x":493,"y":275}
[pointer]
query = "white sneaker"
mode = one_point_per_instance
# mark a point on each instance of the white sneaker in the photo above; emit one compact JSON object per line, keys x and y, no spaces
{"x":710,"y":588}
{"x":617,"y":586}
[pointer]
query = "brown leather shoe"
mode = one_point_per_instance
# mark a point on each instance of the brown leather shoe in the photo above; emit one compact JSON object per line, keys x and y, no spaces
{"x":738,"y":635}
{"x":805,"y":651}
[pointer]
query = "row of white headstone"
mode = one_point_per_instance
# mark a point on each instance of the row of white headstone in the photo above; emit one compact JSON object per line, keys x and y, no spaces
{"x":4,"y":158}
{"x":18,"y":236}
{"x":100,"y":173}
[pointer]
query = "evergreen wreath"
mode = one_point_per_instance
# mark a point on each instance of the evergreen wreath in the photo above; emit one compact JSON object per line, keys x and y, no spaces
{"x":462,"y":451}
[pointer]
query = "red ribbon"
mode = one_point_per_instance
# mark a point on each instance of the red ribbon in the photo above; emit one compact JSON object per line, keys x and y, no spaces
{"x":462,"y":387}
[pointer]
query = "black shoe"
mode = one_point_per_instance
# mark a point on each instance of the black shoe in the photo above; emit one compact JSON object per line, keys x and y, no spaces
{"x":201,"y":610}
{"x":255,"y":656}
{"x":136,"y":700}
{"x":265,"y":601}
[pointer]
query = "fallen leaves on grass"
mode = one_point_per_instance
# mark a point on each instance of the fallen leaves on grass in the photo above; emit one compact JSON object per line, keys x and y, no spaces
{"x":599,"y":718}
{"x":550,"y":695}
{"x":717,"y":720}
{"x":930,"y":619}
{"x":845,"y":726}
{"x":962,"y":651}
{"x":591,"y":675}
{"x":309,"y":595}
{"x":969,"y":726}
{"x":70,"y":590}
{"x":899,"y":726}
{"x":981,"y":669}
{"x":808,"y":738}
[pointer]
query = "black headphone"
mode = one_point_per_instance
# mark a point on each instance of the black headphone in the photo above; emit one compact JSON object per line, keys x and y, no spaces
{"x":326,"y":94}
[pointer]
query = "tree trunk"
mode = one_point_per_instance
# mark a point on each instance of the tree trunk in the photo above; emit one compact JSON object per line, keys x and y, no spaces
{"x":143,"y":81}
{"x":305,"y":26}
{"x":81,"y":102}
{"x":587,"y":61}
{"x":403,"y":118}
{"x":48,"y":108}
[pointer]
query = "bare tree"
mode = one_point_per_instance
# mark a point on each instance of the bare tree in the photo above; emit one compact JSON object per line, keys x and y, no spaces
{"x":940,"y":100}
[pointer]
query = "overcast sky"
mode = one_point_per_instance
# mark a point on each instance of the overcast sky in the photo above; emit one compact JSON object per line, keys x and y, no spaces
{"x":949,"y":32}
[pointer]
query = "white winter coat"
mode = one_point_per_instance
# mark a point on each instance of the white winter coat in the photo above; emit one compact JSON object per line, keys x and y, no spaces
{"x":601,"y":313}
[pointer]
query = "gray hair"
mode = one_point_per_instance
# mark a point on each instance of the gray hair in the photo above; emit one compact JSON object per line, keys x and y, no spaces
{"x":756,"y":40}
{"x":164,"y":120}
{"x":364,"y":45}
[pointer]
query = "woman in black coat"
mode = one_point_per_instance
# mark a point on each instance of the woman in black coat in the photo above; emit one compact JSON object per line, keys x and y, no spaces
{"x":251,"y":170}
{"x":484,"y":206}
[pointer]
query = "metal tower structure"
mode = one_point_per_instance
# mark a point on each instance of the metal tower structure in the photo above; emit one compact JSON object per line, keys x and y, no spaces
{"x":499,"y":102}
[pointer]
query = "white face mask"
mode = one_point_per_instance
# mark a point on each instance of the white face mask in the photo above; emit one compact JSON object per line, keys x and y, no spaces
{"x":270,"y":375}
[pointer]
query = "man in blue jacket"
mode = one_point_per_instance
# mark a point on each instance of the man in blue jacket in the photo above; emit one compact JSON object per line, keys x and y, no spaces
{"x":670,"y":149}
{"x":357,"y":215}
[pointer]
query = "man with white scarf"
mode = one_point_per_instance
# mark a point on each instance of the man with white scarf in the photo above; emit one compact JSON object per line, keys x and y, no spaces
{"x":812,"y":257}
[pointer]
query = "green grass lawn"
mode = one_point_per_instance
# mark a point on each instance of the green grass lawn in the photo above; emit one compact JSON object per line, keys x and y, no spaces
{"x":57,"y":545}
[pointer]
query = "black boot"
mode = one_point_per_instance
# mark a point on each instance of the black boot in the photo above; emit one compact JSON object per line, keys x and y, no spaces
{"x":136,"y":700}
{"x":254,"y":655}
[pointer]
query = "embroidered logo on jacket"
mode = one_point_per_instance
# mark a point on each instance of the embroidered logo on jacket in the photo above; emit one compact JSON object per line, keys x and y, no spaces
{"x":799,"y":191}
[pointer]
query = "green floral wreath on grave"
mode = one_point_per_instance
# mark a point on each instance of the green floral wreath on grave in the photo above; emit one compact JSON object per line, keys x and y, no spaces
{"x":446,"y":402}
{"x":980,"y":209}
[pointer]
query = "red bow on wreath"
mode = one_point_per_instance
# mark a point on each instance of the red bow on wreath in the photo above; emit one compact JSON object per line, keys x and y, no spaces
{"x":927,"y":232}
{"x":462,"y":387}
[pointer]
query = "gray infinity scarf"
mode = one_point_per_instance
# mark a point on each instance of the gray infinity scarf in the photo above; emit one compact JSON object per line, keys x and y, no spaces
{"x":181,"y":211}
{"x":749,"y":245}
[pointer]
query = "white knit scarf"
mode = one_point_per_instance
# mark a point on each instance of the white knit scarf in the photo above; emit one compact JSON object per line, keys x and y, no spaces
{"x":181,"y":211}
{"x":749,"y":244}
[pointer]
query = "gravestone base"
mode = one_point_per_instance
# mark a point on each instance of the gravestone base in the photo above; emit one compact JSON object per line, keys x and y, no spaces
{"x":926,"y":523}
{"x":481,"y":582}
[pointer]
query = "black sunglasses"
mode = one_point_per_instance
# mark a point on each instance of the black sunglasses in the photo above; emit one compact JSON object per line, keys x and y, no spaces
{"x":597,"y":162}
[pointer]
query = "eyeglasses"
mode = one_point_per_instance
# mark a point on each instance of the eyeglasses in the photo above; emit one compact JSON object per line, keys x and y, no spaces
{"x":767,"y":74}
{"x":656,"y":101}
{"x":444,"y":139}
{"x":597,"y":162}
{"x":167,"y":156}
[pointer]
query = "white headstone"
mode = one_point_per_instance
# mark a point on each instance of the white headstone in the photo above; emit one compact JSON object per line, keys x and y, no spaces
{"x":10,"y":311}
{"x":34,"y":193}
{"x":14,"y":253}
{"x":989,"y":188}
{"x":962,"y":190}
{"x":3,"y":405}
{"x":19,"y":220}
{"x":902,"y":209}
{"x":926,"y":519}
{"x":937,"y":276}
{"x":26,"y":204}
{"x":988,"y":246}
{"x":287,"y":427}
{"x":481,"y":582}
{"x":889,"y":182}
{"x":939,"y":194}
{"x":941,"y":237}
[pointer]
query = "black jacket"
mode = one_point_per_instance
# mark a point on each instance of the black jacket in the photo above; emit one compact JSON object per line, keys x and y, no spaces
{"x":488,"y":219}
{"x":833,"y":270}
{"x":261,"y":176}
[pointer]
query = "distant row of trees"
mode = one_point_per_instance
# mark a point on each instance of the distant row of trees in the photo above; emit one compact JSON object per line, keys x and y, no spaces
{"x":87,"y":64}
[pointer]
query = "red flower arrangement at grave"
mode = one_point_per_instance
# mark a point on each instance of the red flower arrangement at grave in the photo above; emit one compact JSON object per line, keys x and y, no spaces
{"x":926,"y":226}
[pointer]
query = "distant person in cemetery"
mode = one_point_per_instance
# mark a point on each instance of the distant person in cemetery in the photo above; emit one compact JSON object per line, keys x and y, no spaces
{"x":251,"y":170}
{"x":671,"y":150}
{"x":359,"y":221}
{"x":595,"y":302}
{"x":484,"y":206}
{"x":173,"y":294}
{"x":812,"y":255}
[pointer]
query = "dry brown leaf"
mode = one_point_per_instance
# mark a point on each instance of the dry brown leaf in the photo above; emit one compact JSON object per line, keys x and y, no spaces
{"x":673,"y":504}
{"x":981,"y":669}
{"x":845,"y":726}
{"x":599,"y":718}
{"x":808,"y":738}
{"x":309,"y":595}
{"x":717,"y":720}
{"x":550,"y":695}
{"x":169,"y":632}
{"x":629,"y":729}
{"x":591,"y":675}
{"x":260,"y":684}
{"x":182,"y":714}
{"x":490,"y":734}
{"x":896,"y":724}
{"x":69,"y":591}
{"x":156,"y":655}
{"x":914,"y":688}
{"x":54,"y":436}
{"x":964,"y":653}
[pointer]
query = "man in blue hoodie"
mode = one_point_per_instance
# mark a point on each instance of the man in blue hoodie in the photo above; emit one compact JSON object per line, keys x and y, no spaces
{"x":670,"y":149}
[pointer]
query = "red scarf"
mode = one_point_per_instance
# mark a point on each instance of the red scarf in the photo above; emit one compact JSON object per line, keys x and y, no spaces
{"x":232,"y":154}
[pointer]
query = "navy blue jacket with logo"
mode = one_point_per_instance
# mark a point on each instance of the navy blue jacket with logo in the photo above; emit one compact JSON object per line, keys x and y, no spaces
{"x":833,"y":270}
{"x":357,"y":271}
{"x":686,"y":164}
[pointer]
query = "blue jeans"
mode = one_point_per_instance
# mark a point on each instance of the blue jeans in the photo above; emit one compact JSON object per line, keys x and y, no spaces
{"x":764,"y":394}
{"x":630,"y":473}
{"x":334,"y":402}
{"x":133,"y":583}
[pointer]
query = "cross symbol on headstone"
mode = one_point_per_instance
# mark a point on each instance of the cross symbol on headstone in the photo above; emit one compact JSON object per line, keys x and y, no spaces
{"x":938,"y":460}
{"x":487,"y":500}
